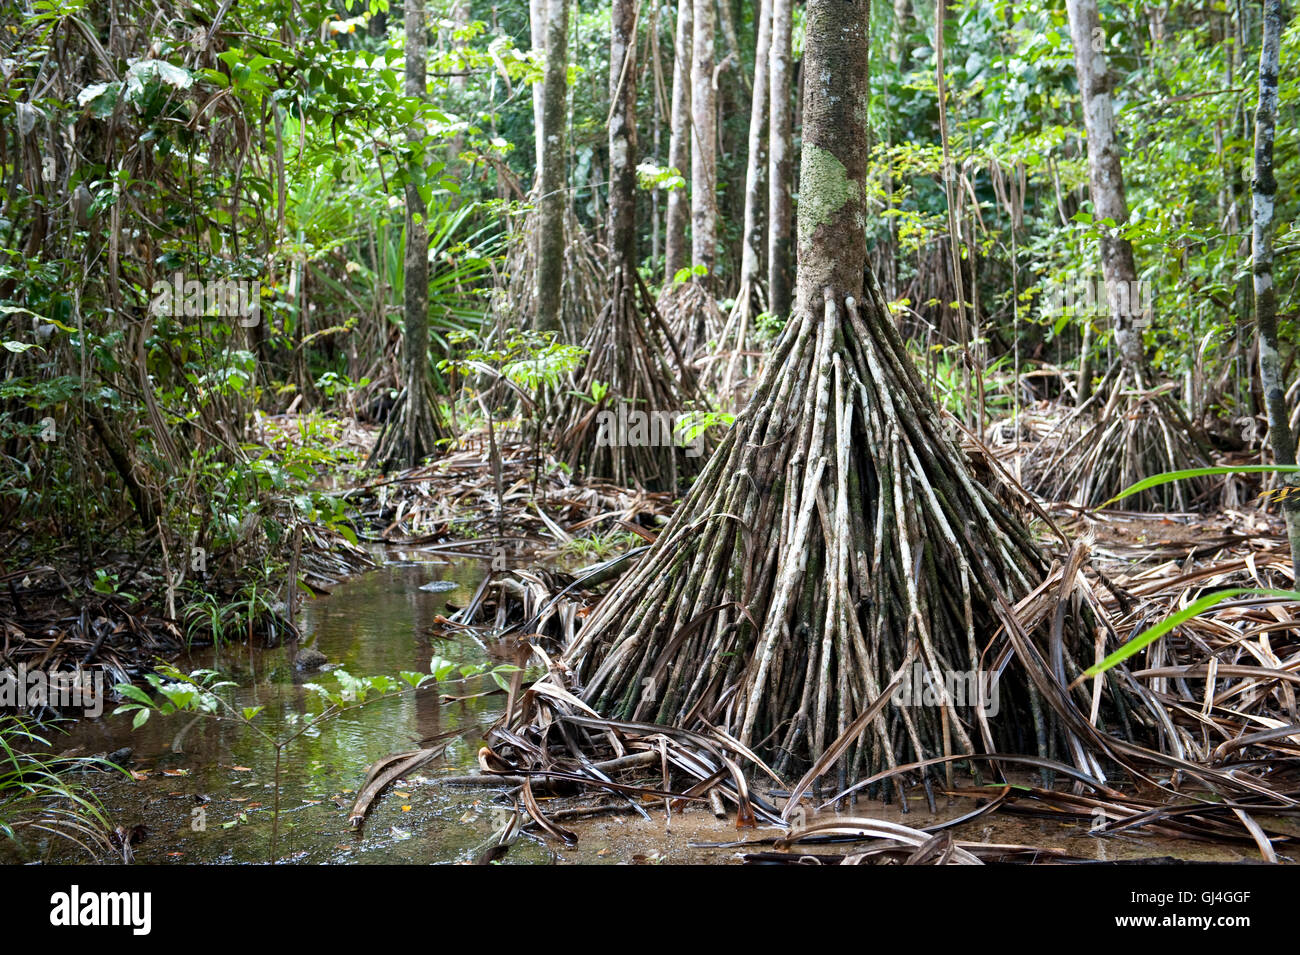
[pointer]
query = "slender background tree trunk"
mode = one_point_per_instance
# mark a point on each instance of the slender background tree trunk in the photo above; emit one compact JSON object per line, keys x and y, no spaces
{"x":460,"y":21}
{"x":779,"y":163}
{"x":622,"y":140}
{"x":1263,"y":202}
{"x":416,"y":332}
{"x":413,"y":428}
{"x":537,"y":32}
{"x":679,"y":144}
{"x":898,"y":49}
{"x":553,"y":193}
{"x":1105,"y":175}
{"x":751,"y":255}
{"x":704,"y":143}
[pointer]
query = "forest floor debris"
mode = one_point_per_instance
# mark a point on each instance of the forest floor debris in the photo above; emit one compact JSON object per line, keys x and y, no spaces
{"x":471,"y":500}
{"x":1220,"y":689}
{"x":50,"y":628}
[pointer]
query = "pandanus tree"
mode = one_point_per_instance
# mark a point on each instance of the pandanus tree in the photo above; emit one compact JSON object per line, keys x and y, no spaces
{"x":1139,"y":429}
{"x":749,"y":298}
{"x":552,"y":196}
{"x":779,"y":209}
{"x":836,"y":541}
{"x":631,"y":356}
{"x":1263,"y":202}
{"x":415,"y":424}
{"x":676,"y":250}
{"x":557,"y":284}
{"x":704,"y":145}
{"x":691,"y":307}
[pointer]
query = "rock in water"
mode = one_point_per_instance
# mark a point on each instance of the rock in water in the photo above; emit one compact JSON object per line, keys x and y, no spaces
{"x":309,"y":658}
{"x":440,"y":586}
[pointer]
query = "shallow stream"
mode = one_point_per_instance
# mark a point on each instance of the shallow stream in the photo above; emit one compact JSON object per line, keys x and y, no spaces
{"x":203,"y":790}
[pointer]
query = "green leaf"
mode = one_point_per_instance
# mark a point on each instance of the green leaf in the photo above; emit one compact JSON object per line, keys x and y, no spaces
{"x":141,"y":717}
{"x":501,"y":673}
{"x":132,"y":692}
{"x":1168,"y":476}
{"x":441,"y":669}
{"x":1197,"y":607}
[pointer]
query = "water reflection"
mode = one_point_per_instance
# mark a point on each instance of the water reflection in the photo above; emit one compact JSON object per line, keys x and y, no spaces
{"x":208,"y":791}
{"x":203,"y":790}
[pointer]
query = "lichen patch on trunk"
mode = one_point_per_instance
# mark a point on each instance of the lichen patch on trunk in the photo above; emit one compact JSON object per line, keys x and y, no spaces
{"x":824,"y":190}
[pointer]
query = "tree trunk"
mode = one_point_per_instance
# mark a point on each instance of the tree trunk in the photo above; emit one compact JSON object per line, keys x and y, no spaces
{"x":749,"y":294}
{"x":415,"y":334}
{"x":622,"y":138}
{"x":1237,"y":189}
{"x":679,"y":145}
{"x":659,"y":101}
{"x":537,"y":33}
{"x":755,"y":228}
{"x":704,"y":145}
{"x":1139,"y":429}
{"x":629,"y":348}
{"x":899,"y":51}
{"x":727,"y":20}
{"x":553,"y":194}
{"x":835,"y":543}
{"x":832,"y":200}
{"x":460,"y":21}
{"x":1105,"y":176}
{"x":413,"y":427}
{"x":779,"y":168}
{"x":1263,"y":203}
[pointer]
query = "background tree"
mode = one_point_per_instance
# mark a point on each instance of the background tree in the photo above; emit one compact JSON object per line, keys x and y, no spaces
{"x":631,"y":355}
{"x":836,"y":537}
{"x":415,"y":426}
{"x":1140,"y":429}
{"x":704,"y":146}
{"x":676,"y":250}
{"x":1106,"y":175}
{"x":537,"y":35}
{"x":460,"y":24}
{"x":552,"y":192}
{"x":1263,"y":205}
{"x":779,"y":170}
{"x":749,"y":296}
